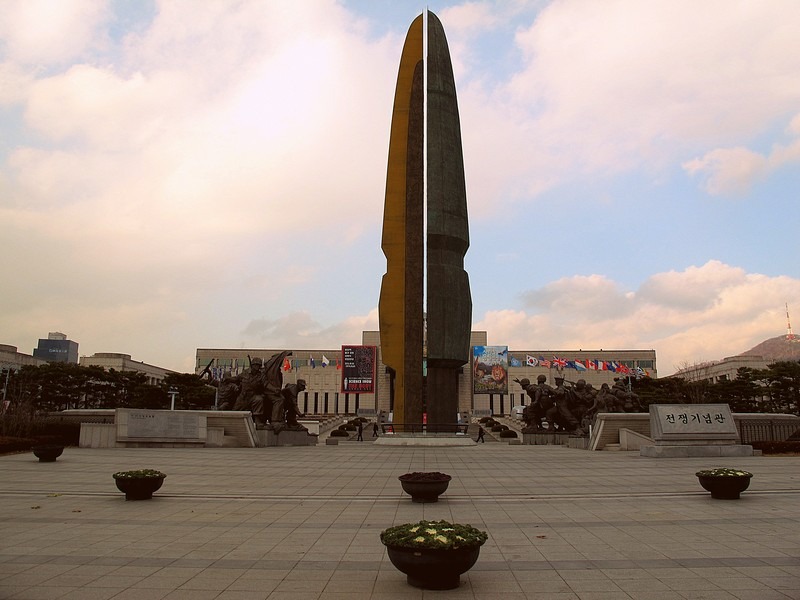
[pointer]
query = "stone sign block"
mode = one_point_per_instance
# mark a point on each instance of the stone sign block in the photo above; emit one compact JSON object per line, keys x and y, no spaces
{"x":160,"y":425}
{"x":692,"y":424}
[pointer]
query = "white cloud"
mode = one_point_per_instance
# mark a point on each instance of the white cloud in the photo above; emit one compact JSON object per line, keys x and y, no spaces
{"x":43,"y":32}
{"x":735,"y":170}
{"x":612,"y":86}
{"x":300,"y":330}
{"x":701,"y":313}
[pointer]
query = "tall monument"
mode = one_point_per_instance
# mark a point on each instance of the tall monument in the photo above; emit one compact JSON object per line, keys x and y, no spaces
{"x":425,"y":132}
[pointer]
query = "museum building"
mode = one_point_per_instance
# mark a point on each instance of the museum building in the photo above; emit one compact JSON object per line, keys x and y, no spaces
{"x":325,"y":373}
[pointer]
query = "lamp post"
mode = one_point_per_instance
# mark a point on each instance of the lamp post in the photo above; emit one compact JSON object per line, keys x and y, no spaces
{"x":172,"y":393}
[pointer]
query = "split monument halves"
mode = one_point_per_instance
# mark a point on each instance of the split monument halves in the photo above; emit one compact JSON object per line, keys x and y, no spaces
{"x":425,"y":154}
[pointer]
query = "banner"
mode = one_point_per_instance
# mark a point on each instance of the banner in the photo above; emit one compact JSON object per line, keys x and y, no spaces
{"x":490,"y":369}
{"x":358,"y":369}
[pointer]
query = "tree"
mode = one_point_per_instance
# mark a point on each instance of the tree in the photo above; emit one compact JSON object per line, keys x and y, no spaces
{"x":781,"y":381}
{"x":193,"y":393}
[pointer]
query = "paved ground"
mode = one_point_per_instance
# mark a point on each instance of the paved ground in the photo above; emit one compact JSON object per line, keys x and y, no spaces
{"x":286,"y":523}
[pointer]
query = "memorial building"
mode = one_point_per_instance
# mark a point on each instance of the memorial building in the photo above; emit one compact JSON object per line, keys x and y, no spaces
{"x":325,"y":374}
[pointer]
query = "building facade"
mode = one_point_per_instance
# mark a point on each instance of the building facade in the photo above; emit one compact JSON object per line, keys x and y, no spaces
{"x":10,"y":358}
{"x":124,"y":362}
{"x":720,"y":370}
{"x":57,"y":348}
{"x":322,"y":371}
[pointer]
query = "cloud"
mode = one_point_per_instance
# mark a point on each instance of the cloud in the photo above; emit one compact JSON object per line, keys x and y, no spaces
{"x":300,"y":330}
{"x":735,"y":170}
{"x":609,"y":87}
{"x":701,"y":313}
{"x":43,"y":32}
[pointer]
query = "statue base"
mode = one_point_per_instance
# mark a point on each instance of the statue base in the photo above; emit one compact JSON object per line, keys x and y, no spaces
{"x":269,"y":436}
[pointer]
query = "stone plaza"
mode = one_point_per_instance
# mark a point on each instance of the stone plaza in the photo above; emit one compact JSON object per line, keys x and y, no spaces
{"x":304,"y":523}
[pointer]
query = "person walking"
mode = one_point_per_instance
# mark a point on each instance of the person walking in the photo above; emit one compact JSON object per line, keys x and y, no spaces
{"x":481,"y":434}
{"x":375,"y":430}
{"x":360,"y":437}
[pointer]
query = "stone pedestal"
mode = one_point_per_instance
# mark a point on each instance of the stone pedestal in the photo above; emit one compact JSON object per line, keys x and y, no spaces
{"x":268,"y":437}
{"x":664,"y":451}
{"x":545,"y":439}
{"x":693,"y":430}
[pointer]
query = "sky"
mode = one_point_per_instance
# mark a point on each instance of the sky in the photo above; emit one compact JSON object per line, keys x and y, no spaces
{"x":179,"y":175}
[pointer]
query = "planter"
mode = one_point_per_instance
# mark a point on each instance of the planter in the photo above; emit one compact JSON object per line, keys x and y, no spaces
{"x":47,"y":453}
{"x":433,"y":569}
{"x":724,"y":484}
{"x":425,"y":487}
{"x":138,"y":486}
{"x":433,"y":554}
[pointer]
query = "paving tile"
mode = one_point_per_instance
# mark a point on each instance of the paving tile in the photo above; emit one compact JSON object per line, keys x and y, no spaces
{"x":563,"y":525}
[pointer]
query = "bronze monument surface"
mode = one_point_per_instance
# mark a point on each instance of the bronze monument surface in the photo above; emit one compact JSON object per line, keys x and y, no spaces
{"x":423,"y":158}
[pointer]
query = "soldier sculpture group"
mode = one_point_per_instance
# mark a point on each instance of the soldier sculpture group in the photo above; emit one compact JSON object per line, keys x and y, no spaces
{"x":570,"y":407}
{"x":259,"y":390}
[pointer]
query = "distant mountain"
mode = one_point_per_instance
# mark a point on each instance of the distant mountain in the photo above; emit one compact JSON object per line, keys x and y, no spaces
{"x":776,"y":349}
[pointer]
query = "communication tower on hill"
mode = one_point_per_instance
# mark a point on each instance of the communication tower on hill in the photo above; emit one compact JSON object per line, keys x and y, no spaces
{"x":789,"y":333}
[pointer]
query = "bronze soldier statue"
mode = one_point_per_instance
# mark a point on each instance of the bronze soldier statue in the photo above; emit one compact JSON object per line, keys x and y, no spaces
{"x":228,"y":391}
{"x":626,"y":400}
{"x":251,"y":394}
{"x":534,"y":413}
{"x":291,"y":410}
{"x":560,"y":411}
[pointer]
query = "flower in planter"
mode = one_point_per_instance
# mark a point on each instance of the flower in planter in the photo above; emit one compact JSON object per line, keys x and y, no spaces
{"x":140,"y":474}
{"x":437,"y":535}
{"x":723,"y":472}
{"x":425,"y":476}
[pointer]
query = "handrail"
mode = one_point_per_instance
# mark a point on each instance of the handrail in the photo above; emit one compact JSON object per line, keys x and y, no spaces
{"x":425,"y":428}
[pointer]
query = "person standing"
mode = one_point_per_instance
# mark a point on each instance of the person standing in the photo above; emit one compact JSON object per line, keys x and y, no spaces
{"x":375,"y":429}
{"x":481,"y":434}
{"x":360,"y":437}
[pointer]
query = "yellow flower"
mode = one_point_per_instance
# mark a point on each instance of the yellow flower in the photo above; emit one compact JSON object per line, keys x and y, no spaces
{"x":419,"y":539}
{"x":414,"y":529}
{"x":431,"y":531}
{"x":441,"y":538}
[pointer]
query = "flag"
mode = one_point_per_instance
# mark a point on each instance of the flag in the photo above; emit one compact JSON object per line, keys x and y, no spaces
{"x":591,"y":365}
{"x":543,"y":362}
{"x":313,"y":364}
{"x":576,"y":364}
{"x":624,"y":370}
{"x":601,"y":365}
{"x":325,"y":361}
{"x":287,"y":366}
{"x":530,"y":361}
{"x":559,"y":363}
{"x":612,"y":366}
{"x":515,"y":362}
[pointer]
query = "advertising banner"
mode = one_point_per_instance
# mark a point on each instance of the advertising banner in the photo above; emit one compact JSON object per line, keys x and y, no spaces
{"x":490,"y":369}
{"x":358,"y":369}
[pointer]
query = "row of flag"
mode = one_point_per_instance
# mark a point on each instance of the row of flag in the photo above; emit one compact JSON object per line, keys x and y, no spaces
{"x":580,"y":365}
{"x":237,"y":369}
{"x":325,"y":362}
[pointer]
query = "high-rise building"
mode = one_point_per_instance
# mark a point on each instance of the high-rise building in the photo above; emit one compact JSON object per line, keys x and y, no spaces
{"x":57,"y":348}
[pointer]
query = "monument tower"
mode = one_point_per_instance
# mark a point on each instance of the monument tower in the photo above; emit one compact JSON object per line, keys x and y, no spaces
{"x":425,"y":185}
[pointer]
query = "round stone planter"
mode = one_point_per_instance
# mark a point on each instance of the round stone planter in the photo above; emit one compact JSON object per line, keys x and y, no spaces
{"x":433,"y":569}
{"x":141,"y":488}
{"x":726,"y":487}
{"x":424,"y":490}
{"x":48,"y":453}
